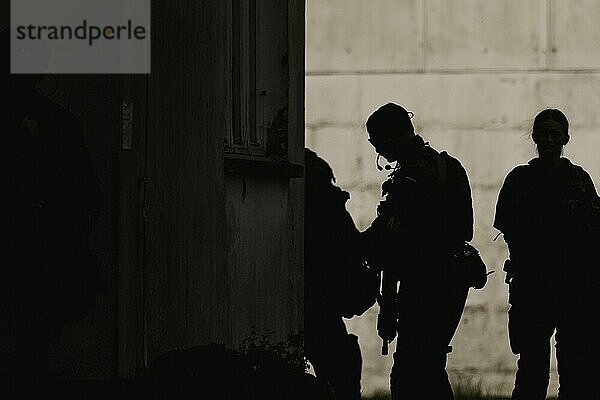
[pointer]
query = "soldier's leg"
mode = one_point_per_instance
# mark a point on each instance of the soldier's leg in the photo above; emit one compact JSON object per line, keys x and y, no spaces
{"x":336,"y":358}
{"x":577,"y":352}
{"x":344,"y":369}
{"x":430,"y":319}
{"x":341,"y":368}
{"x":530,"y":330}
{"x":419,"y":373}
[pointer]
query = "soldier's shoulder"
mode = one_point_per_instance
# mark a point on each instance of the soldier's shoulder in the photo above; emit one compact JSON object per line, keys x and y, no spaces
{"x":570,"y":165}
{"x":428,"y":158}
{"x":454,"y":168}
{"x":422,"y":166}
{"x":576,"y":171}
{"x":451,"y":160}
{"x":428,"y":153}
{"x":519,"y":172}
{"x":519,"y":177}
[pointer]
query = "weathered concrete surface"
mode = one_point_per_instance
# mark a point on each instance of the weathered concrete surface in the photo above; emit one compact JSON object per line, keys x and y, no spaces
{"x":484,"y":34}
{"x":380,"y":35}
{"x":486,"y":69}
{"x":575,"y":34}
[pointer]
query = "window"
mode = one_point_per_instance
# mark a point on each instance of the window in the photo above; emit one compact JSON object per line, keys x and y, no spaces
{"x":245,"y":135}
{"x":259,"y":79}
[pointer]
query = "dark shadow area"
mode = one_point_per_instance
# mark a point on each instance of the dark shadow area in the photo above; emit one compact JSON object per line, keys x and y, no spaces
{"x":50,"y":208}
{"x":203,"y":372}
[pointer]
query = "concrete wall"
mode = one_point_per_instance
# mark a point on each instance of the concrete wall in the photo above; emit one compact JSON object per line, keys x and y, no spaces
{"x":475,"y":73}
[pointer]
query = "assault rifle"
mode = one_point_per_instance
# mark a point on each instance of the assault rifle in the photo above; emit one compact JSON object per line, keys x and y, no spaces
{"x":388,"y":312}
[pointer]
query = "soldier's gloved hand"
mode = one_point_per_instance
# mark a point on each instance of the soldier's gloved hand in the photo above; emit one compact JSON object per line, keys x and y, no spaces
{"x":510,"y":271}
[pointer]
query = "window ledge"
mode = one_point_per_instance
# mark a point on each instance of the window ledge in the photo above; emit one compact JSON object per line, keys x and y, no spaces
{"x":261,"y":166}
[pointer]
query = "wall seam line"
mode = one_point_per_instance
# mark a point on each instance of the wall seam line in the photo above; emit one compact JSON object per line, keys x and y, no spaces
{"x":423,"y":35}
{"x":549,"y":46}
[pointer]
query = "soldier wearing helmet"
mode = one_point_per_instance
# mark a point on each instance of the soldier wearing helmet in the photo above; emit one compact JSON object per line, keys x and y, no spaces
{"x":426,"y":214}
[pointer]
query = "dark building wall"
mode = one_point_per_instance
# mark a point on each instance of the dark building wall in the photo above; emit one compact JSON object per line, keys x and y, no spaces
{"x":296,"y":88}
{"x":265,"y":281}
{"x":264,"y":212}
{"x":204,"y":255}
{"x":184,"y":275}
{"x":193,"y":256}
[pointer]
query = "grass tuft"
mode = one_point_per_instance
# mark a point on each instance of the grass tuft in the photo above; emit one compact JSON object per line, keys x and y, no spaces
{"x":463,"y":390}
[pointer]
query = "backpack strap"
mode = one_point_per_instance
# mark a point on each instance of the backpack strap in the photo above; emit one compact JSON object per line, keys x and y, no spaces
{"x":441,"y":170}
{"x":440,"y":166}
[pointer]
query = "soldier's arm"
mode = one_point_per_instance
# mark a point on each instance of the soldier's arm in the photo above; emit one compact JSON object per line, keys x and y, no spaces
{"x":591,"y":210}
{"x":386,"y":228}
{"x":460,"y":215}
{"x":507,"y":218}
{"x":371,"y":243}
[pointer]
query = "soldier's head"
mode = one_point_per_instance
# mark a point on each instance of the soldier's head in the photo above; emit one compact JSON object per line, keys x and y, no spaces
{"x":550,"y":132}
{"x":390,"y":128}
{"x":317,"y":169}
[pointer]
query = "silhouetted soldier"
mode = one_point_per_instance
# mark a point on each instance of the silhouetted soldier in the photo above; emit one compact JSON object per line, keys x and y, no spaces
{"x":50,"y":203}
{"x":336,"y":283}
{"x":427,"y":214}
{"x":549,"y":213}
